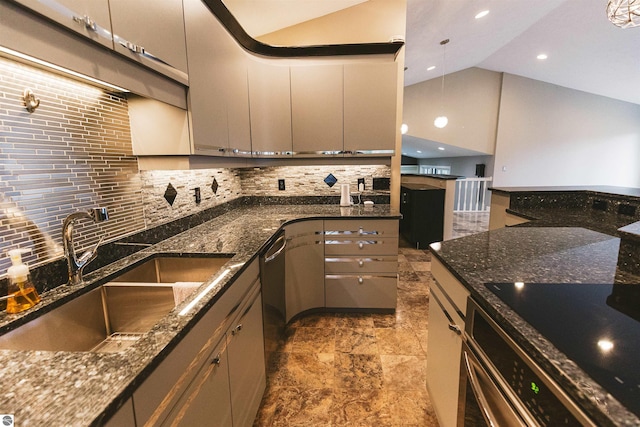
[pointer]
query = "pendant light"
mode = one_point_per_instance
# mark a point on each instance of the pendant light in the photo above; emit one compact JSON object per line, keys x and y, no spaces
{"x":624,"y":13}
{"x":441,"y":121}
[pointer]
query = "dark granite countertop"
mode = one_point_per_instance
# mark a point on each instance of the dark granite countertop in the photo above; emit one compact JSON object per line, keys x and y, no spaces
{"x":602,"y":222}
{"x":542,"y":255}
{"x":596,"y":189}
{"x":440,"y":176}
{"x":83,"y":388}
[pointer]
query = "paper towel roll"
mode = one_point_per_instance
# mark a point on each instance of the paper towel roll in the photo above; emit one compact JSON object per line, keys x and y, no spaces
{"x":345,"y":196}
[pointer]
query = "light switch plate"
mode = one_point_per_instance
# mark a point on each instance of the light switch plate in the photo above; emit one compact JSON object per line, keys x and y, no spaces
{"x":281,"y":186}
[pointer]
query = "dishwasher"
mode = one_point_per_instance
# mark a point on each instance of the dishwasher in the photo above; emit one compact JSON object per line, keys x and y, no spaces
{"x":273,"y":295}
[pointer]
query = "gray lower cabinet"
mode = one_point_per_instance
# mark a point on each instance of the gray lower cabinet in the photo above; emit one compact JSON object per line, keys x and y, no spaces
{"x":361,"y":263}
{"x":246,"y":362}
{"x":124,"y":417}
{"x":216,"y":374}
{"x":208,"y":396}
{"x":447,"y":311}
{"x":304,"y":269}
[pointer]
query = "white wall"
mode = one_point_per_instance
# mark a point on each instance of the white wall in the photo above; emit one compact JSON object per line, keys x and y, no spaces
{"x":551,"y":135}
{"x":471,"y":102}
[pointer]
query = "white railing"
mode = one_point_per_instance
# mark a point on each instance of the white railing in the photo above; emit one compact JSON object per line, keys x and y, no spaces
{"x":472,"y":195}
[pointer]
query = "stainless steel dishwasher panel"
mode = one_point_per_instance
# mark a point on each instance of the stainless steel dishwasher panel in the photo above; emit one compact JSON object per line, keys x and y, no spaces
{"x":272,"y":276}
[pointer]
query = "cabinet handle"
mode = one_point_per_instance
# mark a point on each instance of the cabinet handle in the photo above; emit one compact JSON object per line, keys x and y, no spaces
{"x":88,"y":23}
{"x":361,"y":245}
{"x":455,"y":328}
{"x":132,"y":46}
{"x":216,"y":360}
{"x":237,"y":329}
{"x":360,"y":280}
{"x":361,"y":231}
{"x":361,"y":263}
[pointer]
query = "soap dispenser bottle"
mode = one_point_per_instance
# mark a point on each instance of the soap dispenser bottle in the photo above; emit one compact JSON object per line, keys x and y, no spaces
{"x":22,"y":294}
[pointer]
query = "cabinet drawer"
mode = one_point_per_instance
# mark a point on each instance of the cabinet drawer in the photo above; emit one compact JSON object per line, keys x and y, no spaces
{"x":361,"y":291}
{"x":361,"y":265}
{"x":361,"y":227}
{"x":360,"y":246}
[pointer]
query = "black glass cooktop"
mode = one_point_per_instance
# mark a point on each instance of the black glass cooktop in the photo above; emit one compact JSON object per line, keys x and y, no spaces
{"x":595,"y":325}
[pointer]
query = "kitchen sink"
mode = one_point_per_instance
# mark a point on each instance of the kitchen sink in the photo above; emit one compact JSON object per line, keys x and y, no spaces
{"x":172,"y":269}
{"x":113,"y":316}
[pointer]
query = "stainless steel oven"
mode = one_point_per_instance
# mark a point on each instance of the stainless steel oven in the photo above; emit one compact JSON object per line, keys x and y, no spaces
{"x":502,"y":386}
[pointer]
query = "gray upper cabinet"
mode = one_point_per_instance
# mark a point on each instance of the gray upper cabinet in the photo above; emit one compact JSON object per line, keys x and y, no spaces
{"x":89,"y":18}
{"x":317,"y":109}
{"x":154,"y":39}
{"x":270,"y":109}
{"x":370,"y":108}
{"x":218,"y":93}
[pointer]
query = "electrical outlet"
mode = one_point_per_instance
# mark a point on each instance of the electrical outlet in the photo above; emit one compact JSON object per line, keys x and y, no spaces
{"x":361,"y":181}
{"x":281,"y":184}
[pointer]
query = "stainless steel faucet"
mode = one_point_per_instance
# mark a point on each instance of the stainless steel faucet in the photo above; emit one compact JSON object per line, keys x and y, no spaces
{"x":76,"y":265}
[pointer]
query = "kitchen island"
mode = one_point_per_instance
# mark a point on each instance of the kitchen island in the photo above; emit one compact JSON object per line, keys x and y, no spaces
{"x":88,"y":388}
{"x":553,"y":255}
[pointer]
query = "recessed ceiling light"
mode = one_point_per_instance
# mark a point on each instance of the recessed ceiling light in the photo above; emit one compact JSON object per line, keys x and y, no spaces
{"x":441,"y":148}
{"x":419,"y":152}
{"x":542,"y":56}
{"x":482,"y":14}
{"x":433,"y":67}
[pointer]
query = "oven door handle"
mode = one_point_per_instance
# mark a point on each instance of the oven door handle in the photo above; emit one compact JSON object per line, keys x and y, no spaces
{"x":508,"y":415}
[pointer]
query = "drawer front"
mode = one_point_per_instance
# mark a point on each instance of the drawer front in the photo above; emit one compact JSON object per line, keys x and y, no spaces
{"x":361,"y":291}
{"x":361,"y":227}
{"x":360,"y":246}
{"x":361,"y":265}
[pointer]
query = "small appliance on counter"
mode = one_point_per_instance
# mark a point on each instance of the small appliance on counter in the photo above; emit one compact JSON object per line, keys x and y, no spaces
{"x":345,"y":195}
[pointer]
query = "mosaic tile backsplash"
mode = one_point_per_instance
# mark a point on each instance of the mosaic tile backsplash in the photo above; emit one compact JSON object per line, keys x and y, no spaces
{"x":74,"y":152}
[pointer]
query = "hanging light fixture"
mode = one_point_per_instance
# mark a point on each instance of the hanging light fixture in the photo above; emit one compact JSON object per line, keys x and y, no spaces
{"x":441,"y":121}
{"x":624,"y":13}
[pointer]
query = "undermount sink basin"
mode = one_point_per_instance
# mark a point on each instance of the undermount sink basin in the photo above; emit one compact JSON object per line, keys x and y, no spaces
{"x":172,"y":269}
{"x":113,"y":316}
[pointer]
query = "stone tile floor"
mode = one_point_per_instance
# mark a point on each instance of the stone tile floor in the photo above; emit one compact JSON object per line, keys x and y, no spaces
{"x":465,"y":223}
{"x":357,"y":369}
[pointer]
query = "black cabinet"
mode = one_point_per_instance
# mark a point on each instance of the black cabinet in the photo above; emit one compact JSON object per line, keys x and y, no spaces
{"x":422,"y":209}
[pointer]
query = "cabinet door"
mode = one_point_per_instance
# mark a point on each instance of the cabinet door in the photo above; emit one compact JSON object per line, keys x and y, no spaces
{"x":89,"y":18}
{"x":304,"y":267}
{"x":447,"y":306}
{"x":443,"y":370}
{"x":237,"y":98}
{"x":370,"y":108}
{"x":205,"y":51}
{"x":207,"y":399}
{"x":405,"y":210}
{"x":156,"y":40}
{"x":270,"y":109}
{"x":317,"y":110}
{"x":245,"y":344}
{"x":124,"y":417}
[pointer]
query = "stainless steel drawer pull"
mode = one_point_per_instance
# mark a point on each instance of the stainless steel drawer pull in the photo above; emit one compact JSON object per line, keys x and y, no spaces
{"x":455,"y":328}
{"x":361,"y":231}
{"x":237,"y":329}
{"x":360,"y":280}
{"x":88,"y":23}
{"x":361,"y":263}
{"x":361,"y":245}
{"x":216,"y":360}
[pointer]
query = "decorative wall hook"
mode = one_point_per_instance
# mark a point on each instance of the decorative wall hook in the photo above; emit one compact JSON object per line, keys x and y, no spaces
{"x":30,"y":100}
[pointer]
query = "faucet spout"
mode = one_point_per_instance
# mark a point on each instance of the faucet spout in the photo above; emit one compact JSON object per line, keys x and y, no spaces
{"x":75,"y":264}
